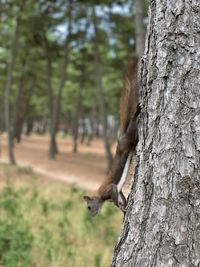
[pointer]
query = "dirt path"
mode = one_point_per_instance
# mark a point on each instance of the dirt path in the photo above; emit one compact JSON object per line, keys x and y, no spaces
{"x":85,"y":169}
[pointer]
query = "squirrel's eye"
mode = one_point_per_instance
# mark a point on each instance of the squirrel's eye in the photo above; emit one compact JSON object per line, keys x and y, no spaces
{"x":89,"y":207}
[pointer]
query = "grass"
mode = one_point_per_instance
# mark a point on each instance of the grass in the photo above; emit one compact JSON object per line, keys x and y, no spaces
{"x":45,"y":223}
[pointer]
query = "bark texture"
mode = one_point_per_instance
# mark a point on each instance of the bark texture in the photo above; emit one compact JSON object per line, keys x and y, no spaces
{"x":162,"y":223}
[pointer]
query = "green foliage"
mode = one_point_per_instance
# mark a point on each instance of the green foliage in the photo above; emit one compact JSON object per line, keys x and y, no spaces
{"x":16,"y":239}
{"x":108,"y":233}
{"x":15,"y":243}
{"x":47,"y":224}
{"x":97,"y":262}
{"x":42,"y":31}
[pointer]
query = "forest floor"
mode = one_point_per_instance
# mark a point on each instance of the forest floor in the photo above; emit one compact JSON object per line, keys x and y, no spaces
{"x":87,"y":168}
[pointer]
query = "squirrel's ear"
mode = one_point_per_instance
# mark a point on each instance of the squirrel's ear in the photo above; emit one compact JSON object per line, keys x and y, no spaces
{"x":87,"y":198}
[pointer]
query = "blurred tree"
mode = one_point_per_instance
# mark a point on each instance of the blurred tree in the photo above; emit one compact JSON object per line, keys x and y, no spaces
{"x":7,"y":90}
{"x":139,"y":26}
{"x":99,"y":85}
{"x":57,"y":104}
{"x":78,"y":104}
{"x":56,"y":38}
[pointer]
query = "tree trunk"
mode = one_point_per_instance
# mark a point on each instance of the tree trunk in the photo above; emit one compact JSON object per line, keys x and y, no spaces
{"x":90,"y":131}
{"x":83,"y":127}
{"x":29,"y":127}
{"x":101,"y":93}
{"x":139,"y":27}
{"x":2,"y":119}
{"x":21,"y":109}
{"x":76,"y":119}
{"x":7,"y":91}
{"x":162,"y":223}
{"x":49,"y":81}
{"x":57,"y":107}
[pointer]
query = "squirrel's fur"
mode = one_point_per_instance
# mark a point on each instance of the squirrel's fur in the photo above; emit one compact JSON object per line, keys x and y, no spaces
{"x":127,"y":141}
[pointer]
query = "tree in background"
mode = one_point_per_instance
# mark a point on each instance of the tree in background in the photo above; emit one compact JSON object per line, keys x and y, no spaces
{"x":99,"y":85}
{"x":57,"y":103}
{"x":8,"y":88}
{"x":50,"y":85}
{"x":161,"y":226}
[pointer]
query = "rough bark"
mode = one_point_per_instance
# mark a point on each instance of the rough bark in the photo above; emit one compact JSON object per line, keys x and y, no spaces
{"x":99,"y":84}
{"x":139,"y":27}
{"x":162,"y":224}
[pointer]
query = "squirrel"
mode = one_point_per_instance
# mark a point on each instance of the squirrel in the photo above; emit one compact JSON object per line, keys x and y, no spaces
{"x":126,"y":144}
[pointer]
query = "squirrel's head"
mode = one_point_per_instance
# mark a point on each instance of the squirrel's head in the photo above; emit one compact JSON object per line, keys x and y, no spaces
{"x":93,"y":204}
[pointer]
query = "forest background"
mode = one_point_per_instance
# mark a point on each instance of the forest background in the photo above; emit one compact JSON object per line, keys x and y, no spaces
{"x":61,"y":73}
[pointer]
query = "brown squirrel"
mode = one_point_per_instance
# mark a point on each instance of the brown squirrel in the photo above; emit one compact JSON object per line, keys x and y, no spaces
{"x":127,"y":141}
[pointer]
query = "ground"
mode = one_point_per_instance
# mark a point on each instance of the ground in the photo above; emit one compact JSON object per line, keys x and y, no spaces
{"x":87,"y":168}
{"x":48,"y":203}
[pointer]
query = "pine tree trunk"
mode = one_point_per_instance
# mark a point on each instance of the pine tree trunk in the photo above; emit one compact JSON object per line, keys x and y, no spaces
{"x":19,"y":107}
{"x":2,"y":117}
{"x":101,"y":94}
{"x":7,"y":93}
{"x":76,"y":119}
{"x":21,"y":110}
{"x":57,"y":104}
{"x":162,"y":223}
{"x":49,"y":81}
